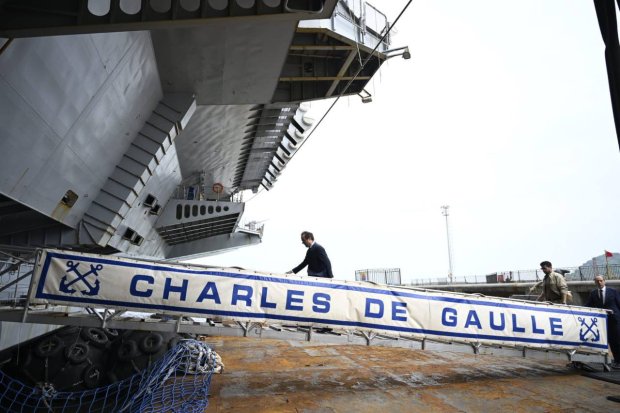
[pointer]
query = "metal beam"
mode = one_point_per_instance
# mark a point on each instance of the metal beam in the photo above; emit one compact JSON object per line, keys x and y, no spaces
{"x":343,"y":70}
{"x":320,"y":47}
{"x":15,"y":281}
{"x":298,"y":332}
{"x":320,"y":78}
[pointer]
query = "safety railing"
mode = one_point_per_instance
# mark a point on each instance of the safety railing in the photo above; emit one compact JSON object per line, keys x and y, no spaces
{"x":252,"y":226}
{"x":15,"y":275}
{"x":581,"y":273}
{"x":366,"y":18}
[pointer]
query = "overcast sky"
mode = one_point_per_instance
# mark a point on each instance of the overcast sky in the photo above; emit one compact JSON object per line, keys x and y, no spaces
{"x":502,"y":113}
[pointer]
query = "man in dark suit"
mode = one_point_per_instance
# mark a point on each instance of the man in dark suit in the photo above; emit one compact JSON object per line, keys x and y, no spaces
{"x":609,"y":299}
{"x":316,"y":258}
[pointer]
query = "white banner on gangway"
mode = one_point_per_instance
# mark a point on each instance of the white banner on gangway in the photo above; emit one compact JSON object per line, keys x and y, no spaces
{"x":111,"y":282}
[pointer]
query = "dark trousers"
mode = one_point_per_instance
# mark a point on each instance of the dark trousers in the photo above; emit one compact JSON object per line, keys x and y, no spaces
{"x":613,"y":337}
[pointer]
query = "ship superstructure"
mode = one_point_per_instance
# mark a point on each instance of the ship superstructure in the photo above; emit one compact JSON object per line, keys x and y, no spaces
{"x":135,"y":127}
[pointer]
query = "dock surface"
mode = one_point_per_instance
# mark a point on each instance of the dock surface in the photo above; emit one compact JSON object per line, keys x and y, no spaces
{"x":288,"y":376}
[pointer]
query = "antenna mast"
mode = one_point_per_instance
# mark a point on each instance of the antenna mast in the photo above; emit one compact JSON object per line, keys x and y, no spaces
{"x":445,"y":213}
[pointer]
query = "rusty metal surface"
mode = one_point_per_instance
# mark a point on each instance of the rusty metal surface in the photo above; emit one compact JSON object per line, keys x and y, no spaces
{"x":286,"y":376}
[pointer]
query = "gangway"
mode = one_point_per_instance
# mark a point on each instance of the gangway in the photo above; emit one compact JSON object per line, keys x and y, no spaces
{"x":89,"y":290}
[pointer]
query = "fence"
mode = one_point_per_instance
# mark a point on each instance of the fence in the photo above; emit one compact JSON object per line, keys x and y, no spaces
{"x":389,"y":276}
{"x":582,"y":273}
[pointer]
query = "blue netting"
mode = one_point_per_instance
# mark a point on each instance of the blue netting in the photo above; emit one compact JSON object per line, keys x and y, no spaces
{"x":179,"y":382}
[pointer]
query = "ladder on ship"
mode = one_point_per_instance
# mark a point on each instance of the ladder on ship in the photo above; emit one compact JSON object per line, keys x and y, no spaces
{"x":17,"y":283}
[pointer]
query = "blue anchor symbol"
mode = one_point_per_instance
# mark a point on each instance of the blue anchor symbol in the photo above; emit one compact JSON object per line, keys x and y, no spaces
{"x":589,"y":329}
{"x":65,"y":286}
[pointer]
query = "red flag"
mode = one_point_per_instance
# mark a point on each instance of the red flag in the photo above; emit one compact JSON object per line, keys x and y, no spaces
{"x":608,"y":254}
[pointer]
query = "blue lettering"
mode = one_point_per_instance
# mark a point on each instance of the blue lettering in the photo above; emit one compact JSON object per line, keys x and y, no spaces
{"x":133,"y":290}
{"x":398,"y":311}
{"x":242,"y":293}
{"x":448,"y":317}
{"x":534,"y":329}
{"x":209,"y":293}
{"x":502,"y":324}
{"x":263,"y":299}
{"x":515,"y":327}
{"x":290,"y":300}
{"x":556,"y":326}
{"x":169,"y":288}
{"x":472,"y":319}
{"x":321,"y":302}
{"x":368,"y":311}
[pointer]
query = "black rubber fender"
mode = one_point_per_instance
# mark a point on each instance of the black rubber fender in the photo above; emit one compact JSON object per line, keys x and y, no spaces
{"x":77,"y":352}
{"x":48,"y":347}
{"x":92,"y":376}
{"x":95,"y":335}
{"x":151,"y":343}
{"x":128,"y":350}
{"x":22,"y":359}
{"x":67,"y":331}
{"x":112,"y":377}
{"x":112,"y":333}
{"x":173,"y":342}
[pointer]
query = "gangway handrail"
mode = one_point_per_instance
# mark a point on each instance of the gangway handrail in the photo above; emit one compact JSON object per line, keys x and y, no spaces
{"x":220,"y":301}
{"x":16,"y":280}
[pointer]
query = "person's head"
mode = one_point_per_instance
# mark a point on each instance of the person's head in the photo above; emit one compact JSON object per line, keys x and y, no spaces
{"x":546,"y":267}
{"x":599,"y":281}
{"x":307,"y":238}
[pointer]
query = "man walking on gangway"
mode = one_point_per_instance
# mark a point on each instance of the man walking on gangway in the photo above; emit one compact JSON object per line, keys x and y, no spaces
{"x":316,"y":258}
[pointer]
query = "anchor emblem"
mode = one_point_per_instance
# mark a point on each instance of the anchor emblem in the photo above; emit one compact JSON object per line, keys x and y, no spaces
{"x":92,"y":289}
{"x":589,"y":332}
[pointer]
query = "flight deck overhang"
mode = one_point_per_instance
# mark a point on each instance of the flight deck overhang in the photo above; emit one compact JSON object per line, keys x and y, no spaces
{"x":335,"y":56}
{"x":30,"y":18}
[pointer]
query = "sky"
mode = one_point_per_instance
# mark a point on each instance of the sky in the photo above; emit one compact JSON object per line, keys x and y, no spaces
{"x":503,"y":113}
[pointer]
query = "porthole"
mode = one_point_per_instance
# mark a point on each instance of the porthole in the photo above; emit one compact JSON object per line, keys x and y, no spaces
{"x":246,"y":4}
{"x":99,"y":7}
{"x":195,"y":210}
{"x":179,"y":211}
{"x":130,"y":6}
{"x":186,"y":211}
{"x":190,"y":5}
{"x":160,"y":6}
{"x":203,"y":209}
{"x":218,"y":4}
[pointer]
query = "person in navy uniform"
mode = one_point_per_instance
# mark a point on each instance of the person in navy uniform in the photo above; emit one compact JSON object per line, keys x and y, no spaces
{"x":609,"y":299}
{"x":316,"y":258}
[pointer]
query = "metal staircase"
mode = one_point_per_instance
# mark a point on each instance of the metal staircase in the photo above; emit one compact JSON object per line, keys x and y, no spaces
{"x":138,"y":165}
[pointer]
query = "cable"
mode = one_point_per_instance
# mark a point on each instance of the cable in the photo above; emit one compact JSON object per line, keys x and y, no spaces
{"x":355,"y":76}
{"x":260,"y":191}
{"x":6,"y":45}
